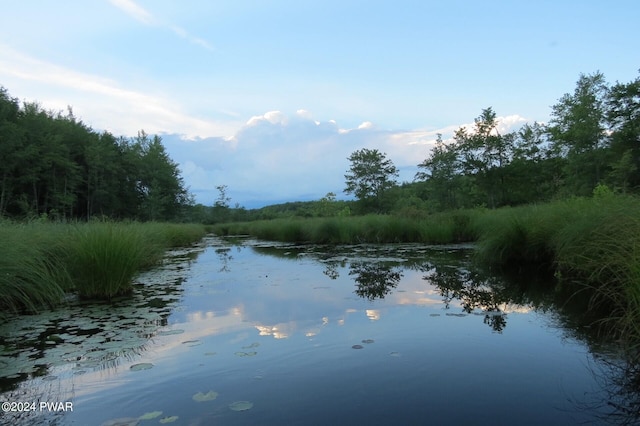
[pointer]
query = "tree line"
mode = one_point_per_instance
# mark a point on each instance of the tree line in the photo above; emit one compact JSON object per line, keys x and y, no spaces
{"x":53,"y":165}
{"x":592,"y":141}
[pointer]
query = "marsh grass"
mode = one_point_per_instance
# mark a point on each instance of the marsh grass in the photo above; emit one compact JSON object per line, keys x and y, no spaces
{"x":434,"y":229}
{"x":592,"y":244}
{"x":41,"y":262}
{"x":104,"y":257}
{"x":31,"y":276}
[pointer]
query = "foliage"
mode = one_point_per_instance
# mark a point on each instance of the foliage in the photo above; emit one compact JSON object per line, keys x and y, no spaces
{"x":55,"y":165}
{"x":370,"y":175}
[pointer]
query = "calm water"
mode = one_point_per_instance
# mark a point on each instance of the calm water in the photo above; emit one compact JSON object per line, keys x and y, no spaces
{"x":249,"y":332}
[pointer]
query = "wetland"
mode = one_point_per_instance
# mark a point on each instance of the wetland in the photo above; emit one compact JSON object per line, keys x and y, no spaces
{"x":238,"y":330}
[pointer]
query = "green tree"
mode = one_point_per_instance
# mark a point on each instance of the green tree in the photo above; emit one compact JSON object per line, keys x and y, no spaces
{"x":484,"y":153}
{"x":159,"y":184}
{"x":579,"y":130}
{"x":11,"y":152}
{"x":370,"y":175}
{"x":623,"y":114}
{"x":441,"y":171}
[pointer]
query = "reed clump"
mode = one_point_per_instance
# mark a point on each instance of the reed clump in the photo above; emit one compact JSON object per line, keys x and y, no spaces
{"x":102,"y":258}
{"x":41,"y":262}
{"x":31,"y":272}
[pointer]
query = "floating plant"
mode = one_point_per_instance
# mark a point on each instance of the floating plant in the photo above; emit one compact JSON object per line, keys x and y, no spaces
{"x":246,"y":353}
{"x":201,"y":397}
{"x":169,"y":419}
{"x":241,"y":405}
{"x":141,"y":366}
{"x":368,"y":341}
{"x":170,"y":332}
{"x":150,"y":415}
{"x":357,"y":346}
{"x":123,"y":421}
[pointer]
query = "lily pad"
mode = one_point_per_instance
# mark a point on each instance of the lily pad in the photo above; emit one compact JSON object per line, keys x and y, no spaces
{"x":367,"y":341}
{"x":357,"y":346}
{"x":246,"y":353}
{"x":168,"y":419}
{"x":141,"y":366}
{"x":170,"y":332}
{"x":241,"y":405}
{"x":150,"y":415}
{"x":124,"y":421}
{"x":201,"y":397}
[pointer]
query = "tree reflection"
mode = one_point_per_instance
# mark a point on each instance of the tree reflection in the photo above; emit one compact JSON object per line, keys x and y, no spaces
{"x":331,"y":270}
{"x":224,"y":257}
{"x":475,"y":291}
{"x":374,"y":280}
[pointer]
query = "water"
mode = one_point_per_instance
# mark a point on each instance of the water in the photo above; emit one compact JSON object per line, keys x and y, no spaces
{"x":249,"y":332}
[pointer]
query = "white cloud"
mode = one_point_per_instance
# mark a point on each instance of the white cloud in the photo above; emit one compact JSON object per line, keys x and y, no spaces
{"x":114,"y":107}
{"x":275,"y":157}
{"x":142,"y":15}
{"x":133,"y":10}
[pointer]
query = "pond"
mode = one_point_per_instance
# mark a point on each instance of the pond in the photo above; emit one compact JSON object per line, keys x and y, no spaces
{"x":240,"y":331}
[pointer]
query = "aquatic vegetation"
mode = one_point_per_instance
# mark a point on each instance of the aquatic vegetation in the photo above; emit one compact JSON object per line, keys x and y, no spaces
{"x":150,"y":415}
{"x":243,"y":354}
{"x":201,"y":397}
{"x":31,"y":276}
{"x":433,"y":229}
{"x":241,"y":405}
{"x":357,"y":347}
{"x":41,"y":262}
{"x":104,"y":257}
{"x":141,"y":366}
{"x":169,"y":419}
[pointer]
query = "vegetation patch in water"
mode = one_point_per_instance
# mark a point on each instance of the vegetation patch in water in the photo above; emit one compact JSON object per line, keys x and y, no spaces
{"x":201,"y":397}
{"x":141,"y":366}
{"x":241,"y":405}
{"x":150,"y":415}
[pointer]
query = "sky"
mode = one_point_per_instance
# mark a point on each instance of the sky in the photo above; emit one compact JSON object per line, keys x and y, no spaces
{"x":270,"y":97}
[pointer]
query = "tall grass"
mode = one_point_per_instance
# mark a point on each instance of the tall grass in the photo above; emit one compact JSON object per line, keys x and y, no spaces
{"x":104,"y":257}
{"x":40,"y":262}
{"x":31,"y":275}
{"x":434,"y":229}
{"x":592,"y":244}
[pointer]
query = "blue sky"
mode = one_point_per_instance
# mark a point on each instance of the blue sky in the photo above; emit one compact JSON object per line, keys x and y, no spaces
{"x":270,"y":97}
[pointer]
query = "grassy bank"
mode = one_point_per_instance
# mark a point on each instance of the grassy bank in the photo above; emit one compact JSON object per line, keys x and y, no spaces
{"x":41,"y":262}
{"x":592,"y":244}
{"x":437,"y":229}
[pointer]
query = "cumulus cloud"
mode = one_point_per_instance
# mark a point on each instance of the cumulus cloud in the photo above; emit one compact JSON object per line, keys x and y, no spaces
{"x":276,"y":157}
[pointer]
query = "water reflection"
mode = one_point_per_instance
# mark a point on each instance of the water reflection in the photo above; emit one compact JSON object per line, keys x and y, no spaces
{"x":374,"y":280}
{"x":291,"y":314}
{"x":44,"y":357}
